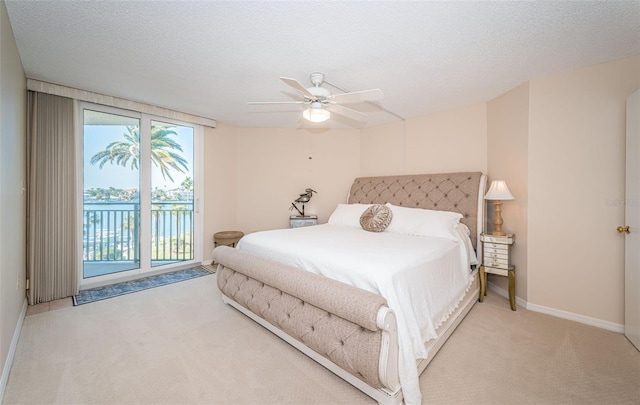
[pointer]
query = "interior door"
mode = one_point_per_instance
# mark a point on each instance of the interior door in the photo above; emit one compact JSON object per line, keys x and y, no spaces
{"x":632,"y":219}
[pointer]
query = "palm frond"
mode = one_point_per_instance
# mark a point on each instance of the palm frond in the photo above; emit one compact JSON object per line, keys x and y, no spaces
{"x":127,"y":152}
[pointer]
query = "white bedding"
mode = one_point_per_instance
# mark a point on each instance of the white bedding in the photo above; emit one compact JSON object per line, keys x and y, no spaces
{"x":422,"y":278}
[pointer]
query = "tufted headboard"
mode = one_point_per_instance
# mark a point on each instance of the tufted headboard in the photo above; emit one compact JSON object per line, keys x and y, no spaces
{"x":458,"y":192}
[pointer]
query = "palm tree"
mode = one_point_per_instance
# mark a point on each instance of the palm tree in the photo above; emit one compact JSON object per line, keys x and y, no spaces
{"x":128,"y":151}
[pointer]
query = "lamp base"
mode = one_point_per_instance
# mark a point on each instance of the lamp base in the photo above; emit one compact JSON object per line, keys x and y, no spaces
{"x":497,"y":219}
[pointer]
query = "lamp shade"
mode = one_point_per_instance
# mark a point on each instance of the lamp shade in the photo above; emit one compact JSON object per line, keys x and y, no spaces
{"x":498,"y":191}
{"x":316,"y":113}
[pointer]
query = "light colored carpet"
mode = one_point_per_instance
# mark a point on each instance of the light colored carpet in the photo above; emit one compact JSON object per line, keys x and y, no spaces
{"x":179,"y":344}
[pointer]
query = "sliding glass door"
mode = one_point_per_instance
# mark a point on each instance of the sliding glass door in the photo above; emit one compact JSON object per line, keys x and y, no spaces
{"x":139,"y":194}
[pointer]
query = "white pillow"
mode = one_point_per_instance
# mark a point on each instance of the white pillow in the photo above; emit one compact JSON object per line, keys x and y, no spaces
{"x":348,"y":215}
{"x":464,"y":233}
{"x":421,"y":222}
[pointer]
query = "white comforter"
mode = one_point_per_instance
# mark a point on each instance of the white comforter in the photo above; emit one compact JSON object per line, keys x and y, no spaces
{"x":422,"y":278}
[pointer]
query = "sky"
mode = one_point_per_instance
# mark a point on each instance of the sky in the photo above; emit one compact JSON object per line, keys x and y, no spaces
{"x":97,"y":137}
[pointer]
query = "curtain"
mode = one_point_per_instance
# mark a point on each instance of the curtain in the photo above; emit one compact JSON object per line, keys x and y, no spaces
{"x":52,"y":248}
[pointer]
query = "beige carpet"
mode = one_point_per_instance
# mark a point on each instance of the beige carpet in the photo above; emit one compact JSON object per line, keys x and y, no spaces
{"x":179,"y":344}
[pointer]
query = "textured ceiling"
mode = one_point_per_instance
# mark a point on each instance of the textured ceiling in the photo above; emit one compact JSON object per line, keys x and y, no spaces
{"x":210,"y":58}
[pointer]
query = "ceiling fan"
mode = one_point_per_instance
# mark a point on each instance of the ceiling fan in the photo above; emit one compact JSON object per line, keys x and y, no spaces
{"x":321,"y":103}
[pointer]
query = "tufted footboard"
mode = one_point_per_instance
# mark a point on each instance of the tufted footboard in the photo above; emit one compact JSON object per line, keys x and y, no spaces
{"x":348,"y":330}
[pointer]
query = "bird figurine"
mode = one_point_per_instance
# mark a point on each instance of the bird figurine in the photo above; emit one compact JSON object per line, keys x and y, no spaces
{"x":303,"y":199}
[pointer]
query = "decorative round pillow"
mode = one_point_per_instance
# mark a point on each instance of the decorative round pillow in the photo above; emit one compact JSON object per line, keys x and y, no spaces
{"x":376,"y":218}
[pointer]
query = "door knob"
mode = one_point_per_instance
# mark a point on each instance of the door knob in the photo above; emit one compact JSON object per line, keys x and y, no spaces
{"x":624,"y":229}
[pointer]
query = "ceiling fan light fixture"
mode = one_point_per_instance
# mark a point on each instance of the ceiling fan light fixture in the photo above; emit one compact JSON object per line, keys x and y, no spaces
{"x":315,"y":113}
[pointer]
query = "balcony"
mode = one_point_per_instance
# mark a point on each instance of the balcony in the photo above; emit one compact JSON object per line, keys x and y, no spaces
{"x":111,"y":237}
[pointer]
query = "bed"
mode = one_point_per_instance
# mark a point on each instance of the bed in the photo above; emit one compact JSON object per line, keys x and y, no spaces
{"x":373,"y":307}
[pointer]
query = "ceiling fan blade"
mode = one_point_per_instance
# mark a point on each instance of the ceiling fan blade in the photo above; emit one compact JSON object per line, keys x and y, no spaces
{"x":358,"y":96}
{"x":296,"y":85}
{"x":347,"y":112}
{"x":274,"y":102}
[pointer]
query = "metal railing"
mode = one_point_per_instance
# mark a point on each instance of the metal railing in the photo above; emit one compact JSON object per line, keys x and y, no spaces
{"x":111,"y":231}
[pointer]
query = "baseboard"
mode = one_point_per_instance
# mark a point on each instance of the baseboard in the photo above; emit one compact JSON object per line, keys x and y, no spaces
{"x":558,"y":313}
{"x":12,"y":350}
{"x":587,"y":320}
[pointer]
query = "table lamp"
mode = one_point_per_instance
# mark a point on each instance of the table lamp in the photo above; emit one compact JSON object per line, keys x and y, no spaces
{"x":497,"y":193}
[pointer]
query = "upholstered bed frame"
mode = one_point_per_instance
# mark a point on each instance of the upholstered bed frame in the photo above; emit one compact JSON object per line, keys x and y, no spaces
{"x":350,"y":331}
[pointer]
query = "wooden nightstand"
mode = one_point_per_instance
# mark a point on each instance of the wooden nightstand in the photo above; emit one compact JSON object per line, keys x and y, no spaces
{"x":496,"y":260}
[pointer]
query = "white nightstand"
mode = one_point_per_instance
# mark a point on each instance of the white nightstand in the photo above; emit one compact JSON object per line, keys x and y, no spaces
{"x":298,"y":222}
{"x":496,"y":260}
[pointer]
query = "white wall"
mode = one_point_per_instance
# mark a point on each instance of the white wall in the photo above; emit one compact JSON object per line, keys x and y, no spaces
{"x":447,"y":141}
{"x":220,"y":184}
{"x":13,"y":88}
{"x":507,"y":159}
{"x":576,"y":160}
{"x":383,"y":150}
{"x":275,"y":166}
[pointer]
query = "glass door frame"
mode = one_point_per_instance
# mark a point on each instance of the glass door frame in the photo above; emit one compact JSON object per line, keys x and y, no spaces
{"x":145,"y":269}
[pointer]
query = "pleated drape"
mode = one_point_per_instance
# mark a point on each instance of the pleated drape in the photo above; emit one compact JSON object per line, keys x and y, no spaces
{"x":52,"y":248}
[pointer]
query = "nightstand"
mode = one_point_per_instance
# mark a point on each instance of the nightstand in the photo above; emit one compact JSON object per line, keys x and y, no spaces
{"x":299,"y":222}
{"x":496,"y":260}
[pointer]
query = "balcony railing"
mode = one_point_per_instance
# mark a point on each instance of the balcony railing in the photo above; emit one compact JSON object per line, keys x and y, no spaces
{"x":111,"y":231}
